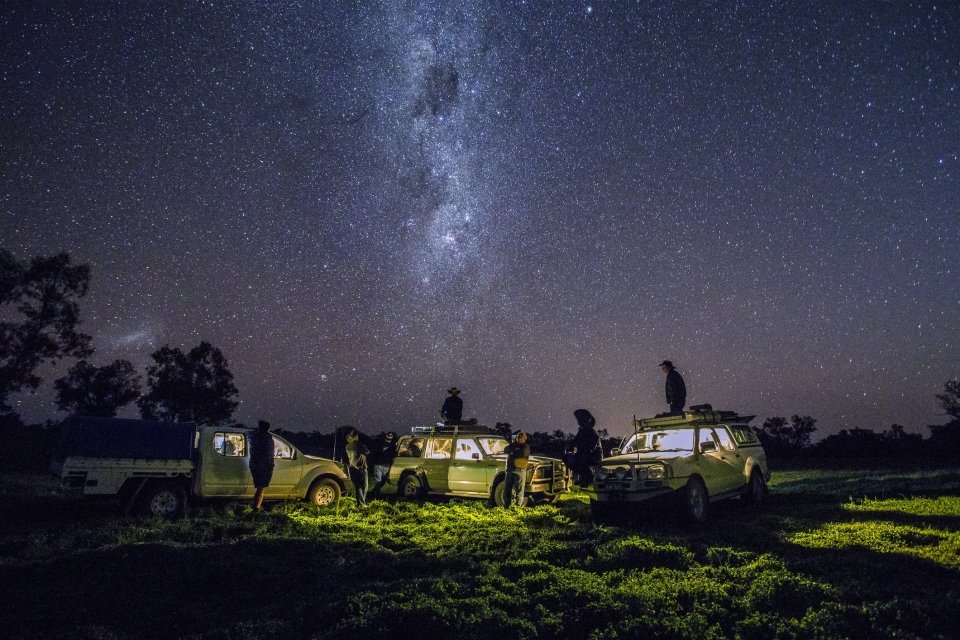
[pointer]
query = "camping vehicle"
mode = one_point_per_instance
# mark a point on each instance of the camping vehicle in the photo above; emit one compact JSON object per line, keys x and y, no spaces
{"x":686,"y":461}
{"x":468,"y":461}
{"x":154,"y":467}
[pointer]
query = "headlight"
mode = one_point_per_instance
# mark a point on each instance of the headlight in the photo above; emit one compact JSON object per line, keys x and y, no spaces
{"x":656,"y":473}
{"x":602,"y":473}
{"x":621,"y":472}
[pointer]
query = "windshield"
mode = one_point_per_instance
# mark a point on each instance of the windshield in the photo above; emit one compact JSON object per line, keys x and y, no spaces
{"x":665,"y":440}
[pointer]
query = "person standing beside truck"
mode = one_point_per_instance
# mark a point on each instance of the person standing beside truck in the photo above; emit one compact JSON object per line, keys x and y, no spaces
{"x":385,"y":450}
{"x":261,"y":461}
{"x":675,"y":387}
{"x":357,"y":453}
{"x":518,"y":458}
{"x":587,"y":450}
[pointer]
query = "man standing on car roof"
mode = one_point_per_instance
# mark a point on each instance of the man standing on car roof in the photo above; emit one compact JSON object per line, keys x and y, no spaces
{"x":676,"y":389}
{"x":452,"y":410}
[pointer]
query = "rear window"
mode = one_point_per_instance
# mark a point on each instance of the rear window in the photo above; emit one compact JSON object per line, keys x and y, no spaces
{"x":743,"y":435}
{"x":231,"y":445}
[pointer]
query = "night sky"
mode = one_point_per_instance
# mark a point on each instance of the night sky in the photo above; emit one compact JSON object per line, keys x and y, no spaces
{"x":364,"y":203}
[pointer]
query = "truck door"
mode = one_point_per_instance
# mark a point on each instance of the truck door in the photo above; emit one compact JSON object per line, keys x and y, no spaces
{"x":436,"y":462}
{"x":718,"y":465}
{"x":467,"y":470}
{"x":223,"y":464}
{"x":287,"y":470}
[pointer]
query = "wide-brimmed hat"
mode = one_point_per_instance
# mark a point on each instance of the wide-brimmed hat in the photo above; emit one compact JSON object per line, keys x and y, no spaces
{"x":666,"y":363}
{"x":453,"y":391}
{"x":585,"y":419}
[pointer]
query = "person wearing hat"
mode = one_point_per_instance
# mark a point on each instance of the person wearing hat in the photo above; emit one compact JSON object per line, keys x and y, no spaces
{"x":452,"y":410}
{"x":587,"y":448}
{"x":261,"y":461}
{"x":384,"y":451}
{"x":676,"y":389}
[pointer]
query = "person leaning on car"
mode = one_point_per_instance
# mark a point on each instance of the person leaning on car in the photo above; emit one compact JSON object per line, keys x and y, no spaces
{"x":357,"y":453}
{"x":384,"y":451}
{"x":518,"y":457}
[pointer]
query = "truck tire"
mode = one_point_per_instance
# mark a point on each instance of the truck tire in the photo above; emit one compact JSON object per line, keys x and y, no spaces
{"x":694,"y":501}
{"x":755,"y":492}
{"x":324,"y":492}
{"x":500,"y":500}
{"x":411,"y":487}
{"x":163,"y":500}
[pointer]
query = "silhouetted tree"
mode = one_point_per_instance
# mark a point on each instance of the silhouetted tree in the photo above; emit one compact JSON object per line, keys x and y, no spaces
{"x":196,"y":386}
{"x":780,"y":437}
{"x":945,"y":438}
{"x":950,"y":399}
{"x":98,"y":391}
{"x":39,"y":304}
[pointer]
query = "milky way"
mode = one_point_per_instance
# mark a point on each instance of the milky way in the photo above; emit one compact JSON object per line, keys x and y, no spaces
{"x":364,"y":203}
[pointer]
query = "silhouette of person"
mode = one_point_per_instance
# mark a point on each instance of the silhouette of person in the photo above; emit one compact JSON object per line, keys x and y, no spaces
{"x":587,"y":450}
{"x":384,"y":451}
{"x":357,"y":453}
{"x":452,"y":410}
{"x":261,"y":461}
{"x":676,"y":389}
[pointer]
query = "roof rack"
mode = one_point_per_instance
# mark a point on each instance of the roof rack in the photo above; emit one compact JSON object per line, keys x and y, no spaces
{"x":691,"y":418}
{"x":450,"y":429}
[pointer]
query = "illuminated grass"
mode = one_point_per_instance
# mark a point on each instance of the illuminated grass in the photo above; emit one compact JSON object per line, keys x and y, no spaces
{"x":810,"y":566}
{"x":940,"y":545}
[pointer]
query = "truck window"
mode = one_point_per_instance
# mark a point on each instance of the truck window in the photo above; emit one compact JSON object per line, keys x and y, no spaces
{"x":439,"y":448}
{"x":724,"y":437}
{"x":743,"y":435}
{"x":466,"y":448}
{"x":281,"y":450}
{"x":232,"y":445}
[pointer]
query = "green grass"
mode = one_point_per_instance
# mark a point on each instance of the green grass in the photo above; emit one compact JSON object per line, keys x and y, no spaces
{"x":834,"y":555}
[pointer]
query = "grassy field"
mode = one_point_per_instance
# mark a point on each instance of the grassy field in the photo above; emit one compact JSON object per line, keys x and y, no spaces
{"x":835,"y":554}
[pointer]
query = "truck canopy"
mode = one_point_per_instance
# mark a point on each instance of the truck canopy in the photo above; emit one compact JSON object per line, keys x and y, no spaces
{"x":90,"y":437}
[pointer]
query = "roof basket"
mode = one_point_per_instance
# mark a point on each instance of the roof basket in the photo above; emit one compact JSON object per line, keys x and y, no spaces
{"x":451,"y":429}
{"x":690,"y":417}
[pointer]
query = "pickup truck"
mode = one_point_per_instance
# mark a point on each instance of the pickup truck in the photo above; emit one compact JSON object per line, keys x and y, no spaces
{"x":154,"y":467}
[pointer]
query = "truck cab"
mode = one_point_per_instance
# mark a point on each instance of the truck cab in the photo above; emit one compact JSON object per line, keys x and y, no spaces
{"x":154,"y":467}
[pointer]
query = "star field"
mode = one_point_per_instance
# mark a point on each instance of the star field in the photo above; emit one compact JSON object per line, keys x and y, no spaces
{"x":363,"y":203}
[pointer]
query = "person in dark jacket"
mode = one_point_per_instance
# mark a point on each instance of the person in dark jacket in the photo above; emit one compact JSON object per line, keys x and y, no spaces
{"x":587,"y":451}
{"x":357,"y":465}
{"x":452,"y":410}
{"x":261,"y":461}
{"x":518,"y":458}
{"x":676,"y":389}
{"x":384,"y":451}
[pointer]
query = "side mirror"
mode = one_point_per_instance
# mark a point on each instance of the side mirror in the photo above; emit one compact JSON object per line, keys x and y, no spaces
{"x":708,"y":447}
{"x":615,"y":451}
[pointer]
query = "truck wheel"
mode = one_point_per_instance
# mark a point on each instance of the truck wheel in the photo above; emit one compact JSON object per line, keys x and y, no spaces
{"x":163,"y":500}
{"x":756,"y":490}
{"x":323,"y":492}
{"x":500,"y":500}
{"x":411,"y":487}
{"x":694,"y":501}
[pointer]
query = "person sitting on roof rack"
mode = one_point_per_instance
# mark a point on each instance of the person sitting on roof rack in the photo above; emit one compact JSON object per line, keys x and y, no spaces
{"x":452,"y":410}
